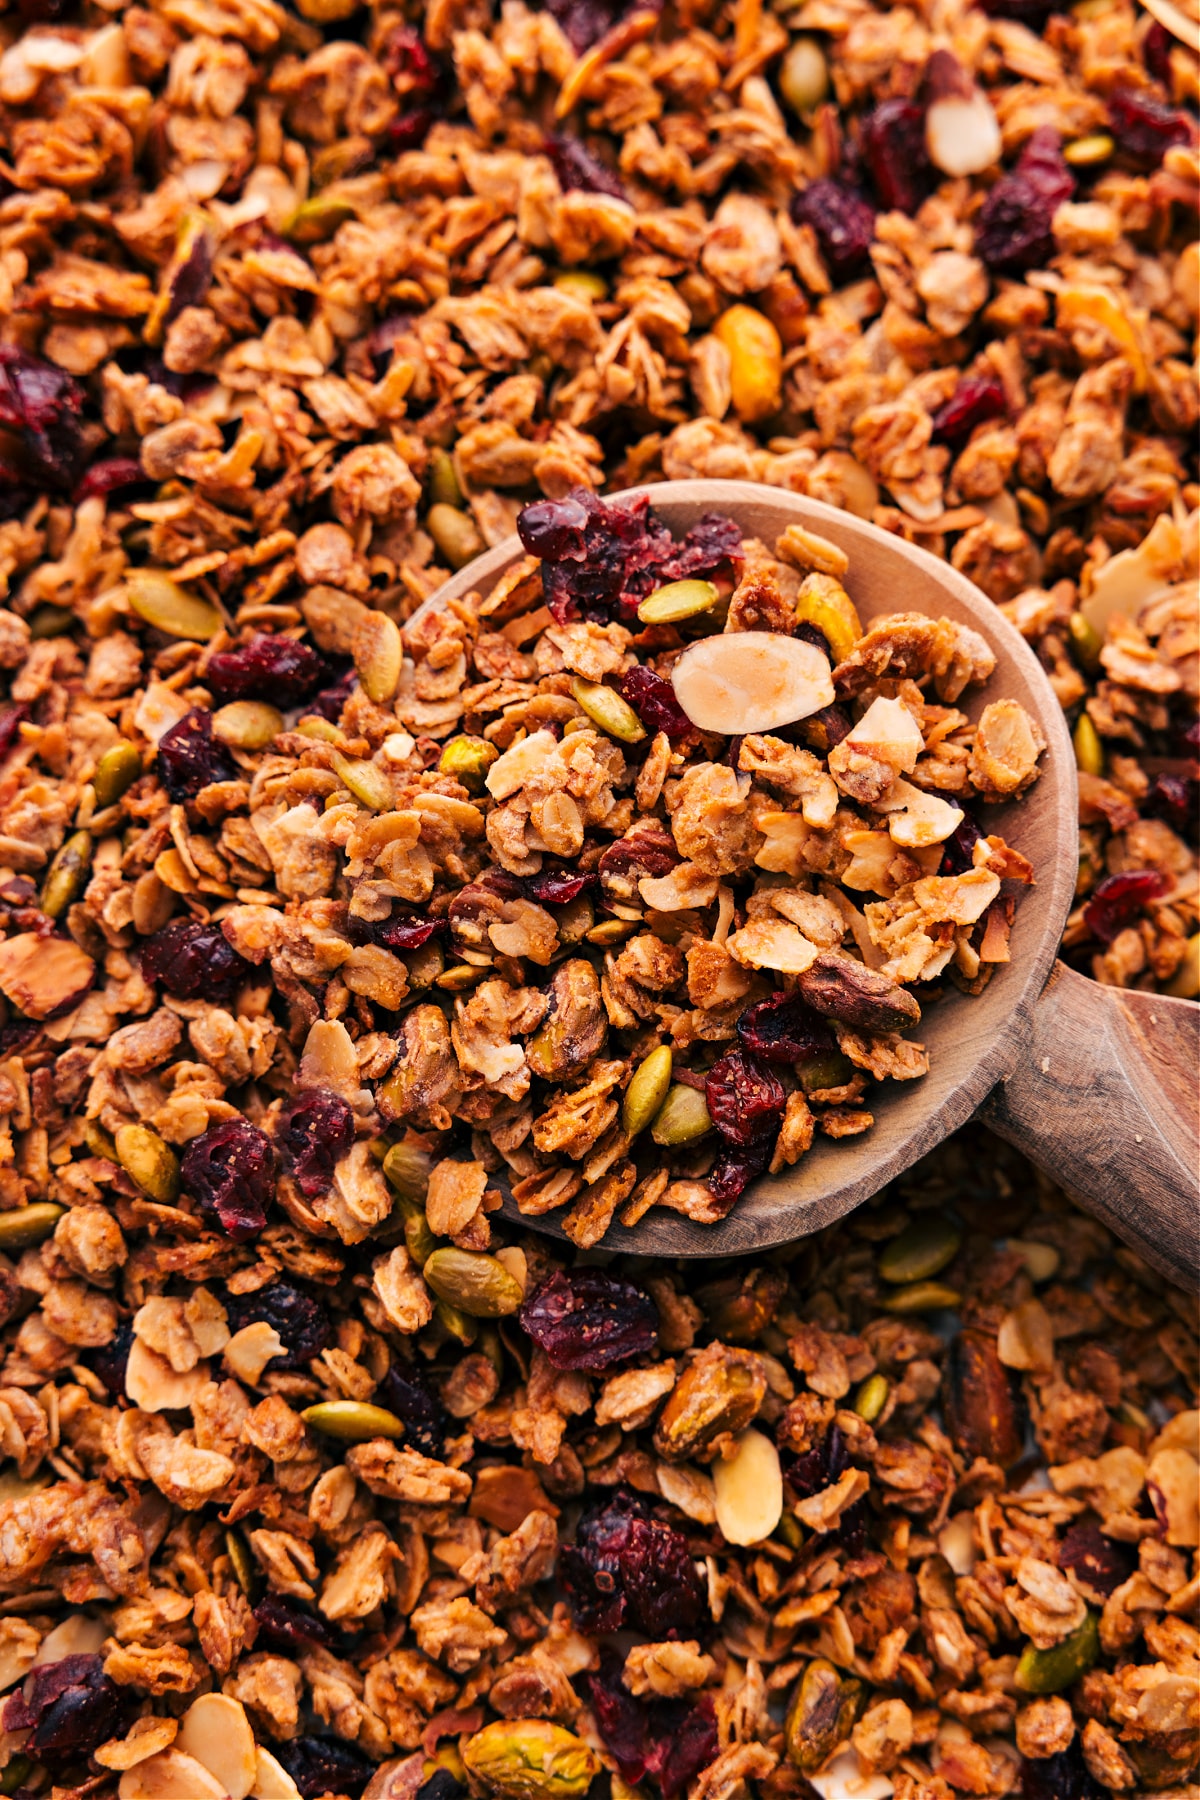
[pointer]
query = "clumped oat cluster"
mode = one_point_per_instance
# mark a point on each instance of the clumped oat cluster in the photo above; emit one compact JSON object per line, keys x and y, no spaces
{"x":319,"y":1478}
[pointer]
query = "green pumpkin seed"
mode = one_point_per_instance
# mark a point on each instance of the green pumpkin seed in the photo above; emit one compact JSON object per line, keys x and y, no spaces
{"x":456,"y":1323}
{"x":1085,"y":641}
{"x":477,"y":1284}
{"x":1089,"y":751}
{"x":1049,"y":1671}
{"x":67,"y":875}
{"x":314,"y":726}
{"x":468,"y":759}
{"x":368,"y":783}
{"x":829,"y":1069}
{"x":682,"y":1118}
{"x":242,"y":1564}
{"x":922,"y":1297}
{"x":1086,"y":151}
{"x":162,"y":603}
{"x":582,"y":284}
{"x":98,"y":1140}
{"x":25,"y":1226}
{"x":51,"y":622}
{"x":612,"y":931}
{"x":116,"y":771}
{"x":443,"y":480}
{"x":352,"y":1421}
{"x":647,"y":1090}
{"x":677,"y":600}
{"x":455,"y":533}
{"x":530,"y":1759}
{"x":378,"y":656}
{"x":407,"y":1167}
{"x":605,"y":708}
{"x":922,"y":1249}
{"x":247,"y":724}
{"x":16,"y":1772}
{"x":317,"y":219}
{"x":459,"y":977}
{"x":871,"y":1398}
{"x":149,"y":1162}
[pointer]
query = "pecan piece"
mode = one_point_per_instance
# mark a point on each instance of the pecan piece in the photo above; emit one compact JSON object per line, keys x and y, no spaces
{"x":840,"y":988}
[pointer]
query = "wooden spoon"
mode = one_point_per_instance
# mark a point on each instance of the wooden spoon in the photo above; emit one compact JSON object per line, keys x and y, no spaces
{"x":1096,"y":1084}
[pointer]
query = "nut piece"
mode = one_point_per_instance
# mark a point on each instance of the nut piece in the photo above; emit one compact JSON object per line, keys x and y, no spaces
{"x":468,"y":759}
{"x":1049,"y":1671}
{"x":271,"y":1779}
{"x":171,"y":1775}
{"x":682,"y":1118}
{"x":824,"y":603}
{"x":378,"y":656}
{"x":837,"y":987}
{"x":66,"y":877}
{"x":216,"y":1731}
{"x":170,"y":608}
{"x":455,"y":533}
{"x":714,"y":1399}
{"x":352,"y":1421}
{"x":43,"y":975}
{"x":962,"y":135}
{"x":605,"y":708}
{"x":980,"y":1405}
{"x":744,"y":681}
{"x":575,"y":1026}
{"x":821,"y":1715}
{"x":369,"y":784}
{"x":117,"y":770}
{"x":647,"y":1090}
{"x":148,"y":1161}
{"x":804,"y":75}
{"x":474,"y":1283}
{"x":677,"y":600}
{"x":530,"y":1759}
{"x":871,"y":1398}
{"x":1008,"y":742}
{"x":749,"y":1490}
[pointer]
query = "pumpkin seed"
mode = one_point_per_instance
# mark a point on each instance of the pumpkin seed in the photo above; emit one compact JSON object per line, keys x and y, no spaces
{"x":582,"y":284}
{"x":51,"y":622}
{"x":647,"y":1090}
{"x":871,"y":1398}
{"x":1049,"y":1671}
{"x":456,"y":1323}
{"x":682,"y":1118}
{"x":25,"y":1226}
{"x":677,"y":600}
{"x":922,"y":1296}
{"x":468,"y":759}
{"x":149,"y":1162}
{"x":314,"y":726}
{"x":98,"y":1140}
{"x":530,"y":1759}
{"x":242,"y":1564}
{"x":378,"y":656}
{"x":1097,"y":147}
{"x":67,"y":875}
{"x":407,"y":1167}
{"x":368,"y":783}
{"x":455,"y":533}
{"x":16,"y":1772}
{"x":611,"y":931}
{"x":443,"y":480}
{"x":804,"y":75}
{"x":605,"y":708}
{"x":162,"y":603}
{"x":922,"y":1249}
{"x":1089,"y":751}
{"x":247,"y":724}
{"x":116,"y":771}
{"x":1085,"y":641}
{"x":828,"y":1069}
{"x":352,"y":1421}
{"x":317,"y":219}
{"x":474,"y":1282}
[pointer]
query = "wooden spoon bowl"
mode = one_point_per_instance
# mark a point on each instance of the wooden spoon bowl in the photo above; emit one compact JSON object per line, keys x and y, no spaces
{"x":1093,"y":1083}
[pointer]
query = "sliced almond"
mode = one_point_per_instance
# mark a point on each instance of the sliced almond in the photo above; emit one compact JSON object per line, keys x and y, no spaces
{"x":847,"y":1778}
{"x":746,"y":681}
{"x":145,"y":1738}
{"x":749,"y":1490}
{"x":271,"y":1780}
{"x":1026,"y":1337}
{"x":78,"y":1635}
{"x":1041,"y":1260}
{"x":171,"y":1775}
{"x":915,"y":818}
{"x":520,"y":764}
{"x":956,"y":1541}
{"x":216,"y":1731}
{"x":962,"y":135}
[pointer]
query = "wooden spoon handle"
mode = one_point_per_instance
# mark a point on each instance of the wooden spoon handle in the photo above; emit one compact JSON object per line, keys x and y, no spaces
{"x":1104,"y":1098}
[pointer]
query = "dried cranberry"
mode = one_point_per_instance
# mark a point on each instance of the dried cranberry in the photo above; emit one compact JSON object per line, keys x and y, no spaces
{"x":189,"y":756}
{"x":1062,"y":1777}
{"x":108,"y":475}
{"x":653,"y":700}
{"x":893,"y":148}
{"x":443,"y":1784}
{"x":588,"y":1319}
{"x":43,"y":405}
{"x":958,"y":849}
{"x":411,"y":66}
{"x":628,"y":1568}
{"x":976,"y":399}
{"x":72,"y":1706}
{"x":1033,"y":14}
{"x":329,"y":702}
{"x":554,"y":529}
{"x":558,"y":887}
{"x":819,"y":1467}
{"x":577,"y":168}
{"x":278,"y":669}
{"x":745,"y":1098}
{"x":843,"y":221}
{"x":584,"y":22}
{"x":1117,"y":900}
{"x":669,"y":1741}
{"x":1100,"y":1562}
{"x":301,"y":1325}
{"x":735,"y":1167}
{"x":230,"y":1169}
{"x":324,"y":1766}
{"x":406,"y":1392}
{"x":409,"y":130}
{"x":1144,"y":128}
{"x":1174,"y":798}
{"x":1013,"y":232}
{"x":11,"y":720}
{"x":41,"y":12}
{"x":286,"y":1622}
{"x":1156,"y":53}
{"x":312,"y":1133}
{"x":193,"y":959}
{"x":407,"y":933}
{"x":782,"y":1029}
{"x":108,"y":1361}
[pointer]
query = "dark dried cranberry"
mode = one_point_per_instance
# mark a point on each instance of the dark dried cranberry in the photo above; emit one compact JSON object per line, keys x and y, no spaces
{"x":850,"y":1533}
{"x":584,"y":22}
{"x":577,"y":168}
{"x":976,"y":399}
{"x":689,"y":1744}
{"x":587,"y":1319}
{"x":189,"y":756}
{"x":278,"y":669}
{"x":72,"y":1706}
{"x":958,"y":849}
{"x":1100,"y":1562}
{"x":109,"y":1360}
{"x":745,"y":1098}
{"x":554,"y":529}
{"x":668,"y":1741}
{"x":628,"y":1568}
{"x":843,"y":221}
{"x":1156,"y":53}
{"x":11,"y":720}
{"x":1144,"y":128}
{"x":443,"y":1784}
{"x":1174,"y":798}
{"x":1116,"y":901}
{"x":558,"y":887}
{"x":817,"y":1468}
{"x":193,"y":959}
{"x":284,"y":1621}
{"x":44,"y":405}
{"x":301,"y":1325}
{"x":407,"y":934}
{"x":406,"y":1392}
{"x":653,"y":700}
{"x":1033,"y":14}
{"x":408,"y":130}
{"x":329,"y":702}
{"x":782,"y":1029}
{"x":311,"y":1134}
{"x":108,"y":475}
{"x":324,"y":1766}
{"x":893,"y":149}
{"x":812,"y":634}
{"x":411,"y":66}
{"x":41,"y":12}
{"x":735,"y":1167}
{"x":1013,"y":232}
{"x":1062,"y":1777}
{"x":230,"y":1169}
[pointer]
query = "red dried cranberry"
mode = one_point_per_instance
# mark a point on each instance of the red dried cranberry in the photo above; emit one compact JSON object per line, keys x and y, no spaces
{"x":406,"y":1392}
{"x":189,"y":756}
{"x":1174,"y":798}
{"x":975,"y":400}
{"x":1156,"y":53}
{"x":285,"y":1622}
{"x":409,"y":130}
{"x":407,"y":934}
{"x":624,"y":1722}
{"x":782,"y":1029}
{"x":958,"y":849}
{"x":1033,"y":14}
{"x":312,"y":1133}
{"x":278,"y":669}
{"x":108,"y":475}
{"x":577,"y":168}
{"x":1014,"y":232}
{"x":735,"y":1167}
{"x":554,"y":529}
{"x":1062,"y":1777}
{"x":667,"y":1741}
{"x":11,"y":720}
{"x":1100,"y":1562}
{"x":324,"y":1766}
{"x":72,"y":1706}
{"x":193,"y":959}
{"x":893,"y":148}
{"x":584,"y":22}
{"x":329,"y":702}
{"x":843,"y":221}
{"x":44,"y":405}
{"x":1116,"y":901}
{"x":745,"y":1098}
{"x":301,"y":1325}
{"x":558,"y":887}
{"x":230,"y":1169}
{"x":109,"y":1361}
{"x":411,"y":66}
{"x":653,"y":700}
{"x":1144,"y":128}
{"x":819,"y":1467}
{"x":628,"y":1568}
{"x":587,"y":1319}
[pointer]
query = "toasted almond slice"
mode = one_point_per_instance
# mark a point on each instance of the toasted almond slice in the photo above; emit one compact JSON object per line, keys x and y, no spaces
{"x":749,"y":1490}
{"x":171,"y":1775}
{"x":956,"y":1541}
{"x":846,"y":1778}
{"x":526,"y":759}
{"x":685,"y":885}
{"x":747,"y":681}
{"x":250,"y":1350}
{"x":78,"y":1635}
{"x":216,"y":1731}
{"x":272,"y":1781}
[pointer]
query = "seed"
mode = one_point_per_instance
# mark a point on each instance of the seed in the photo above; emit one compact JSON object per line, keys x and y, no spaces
{"x":755,"y":362}
{"x":458,"y":977}
{"x":821,"y":1715}
{"x":922,"y":1249}
{"x":66,"y":877}
{"x":317,"y":219}
{"x":530,"y":1759}
{"x":821,"y":1072}
{"x":378,"y":656}
{"x":443,"y":480}
{"x":116,"y":771}
{"x":456,"y":1322}
{"x":824,"y":603}
{"x":149,"y":1162}
{"x":28,"y":1225}
{"x":742,"y":681}
{"x":1041,"y":1260}
{"x":682,"y":1118}
{"x":611,"y":931}
{"x":247,"y":724}
{"x":407,"y":1167}
{"x":352,"y":1421}
{"x":16,"y":1772}
{"x":677,"y":600}
{"x":922,"y":1296}
{"x":1086,"y":642}
{"x":455,"y":533}
{"x":1085,"y":151}
{"x":369,"y":784}
{"x":647,"y":1090}
{"x":871,"y":1398}
{"x":1089,"y":751}
{"x":1049,"y":1671}
{"x":424,"y":965}
{"x":804,"y":75}
{"x":50,"y":622}
{"x":242,"y":1564}
{"x":582,"y":284}
{"x":314,"y":726}
{"x":468,"y":759}
{"x":477,"y":1284}
{"x":605,"y":708}
{"x":1186,"y":982}
{"x":98,"y":1140}
{"x":162,"y":603}
{"x":749,"y":1490}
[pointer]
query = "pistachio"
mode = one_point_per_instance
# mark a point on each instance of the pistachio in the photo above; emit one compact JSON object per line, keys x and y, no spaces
{"x":804,"y":75}
{"x":1089,"y":751}
{"x":407,"y":1167}
{"x":871,"y":1398}
{"x":443,"y":480}
{"x":821,"y":1715}
{"x":456,"y":1323}
{"x":714,"y":1399}
{"x":922,"y":1249}
{"x":242,"y":1564}
{"x":1185,"y":984}
{"x":1086,"y":642}
{"x":314,"y":726}
{"x":149,"y":1162}
{"x":475,"y":1283}
{"x":744,"y":681}
{"x":66,"y":877}
{"x":677,"y":600}
{"x":458,"y":977}
{"x":922,"y":1296}
{"x":162,"y":603}
{"x":247,"y":724}
{"x":25,"y":1226}
{"x":352,"y":1421}
{"x":824,"y":1070}
{"x":755,"y":365}
{"x":116,"y":771}
{"x":369,"y":784}
{"x":824,"y":604}
{"x":647,"y":1090}
{"x":749,"y":1490}
{"x":682,"y":1118}
{"x":837,"y":987}
{"x":1049,"y":1671}
{"x":575,"y":1025}
{"x":378,"y":656}
{"x":316,"y":220}
{"x":468,"y":759}
{"x":605,"y":708}
{"x":98,"y":1140}
{"x":582,"y":284}
{"x":530,"y":1759}
{"x":455,"y":533}
{"x":739,"y":1308}
{"x":50,"y":622}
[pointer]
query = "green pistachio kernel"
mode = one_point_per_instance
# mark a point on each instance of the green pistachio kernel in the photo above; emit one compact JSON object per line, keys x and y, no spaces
{"x":605,"y":708}
{"x":317,"y":219}
{"x":25,"y":1226}
{"x":677,"y":600}
{"x":116,"y":771}
{"x":162,"y":603}
{"x":827,"y":1069}
{"x":352,"y":1421}
{"x":922,"y":1249}
{"x":474,"y":1282}
{"x":1049,"y":1671}
{"x":468,"y":759}
{"x":149,"y":1162}
{"x":378,"y":656}
{"x":871,"y":1398}
{"x":51,"y":622}
{"x":531,"y":1759}
{"x":455,"y":533}
{"x":611,"y":931}
{"x":647,"y":1090}
{"x":67,"y":875}
{"x":682,"y":1118}
{"x":408,"y":1168}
